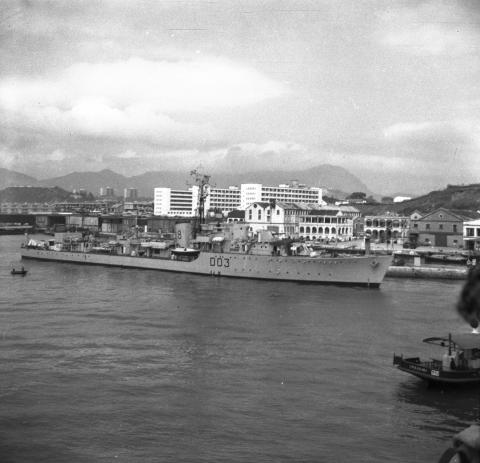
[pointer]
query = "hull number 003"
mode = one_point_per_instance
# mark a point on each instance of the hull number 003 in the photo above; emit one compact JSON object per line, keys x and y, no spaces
{"x":220,"y":262}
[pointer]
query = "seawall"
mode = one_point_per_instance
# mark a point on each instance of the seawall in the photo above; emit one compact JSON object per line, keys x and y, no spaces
{"x":445,"y":273}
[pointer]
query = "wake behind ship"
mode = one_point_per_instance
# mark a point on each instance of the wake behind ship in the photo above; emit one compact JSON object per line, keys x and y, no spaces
{"x":233,"y":252}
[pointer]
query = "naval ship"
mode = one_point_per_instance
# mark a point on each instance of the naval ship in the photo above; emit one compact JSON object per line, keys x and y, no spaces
{"x":230,"y":251}
{"x":258,"y":258}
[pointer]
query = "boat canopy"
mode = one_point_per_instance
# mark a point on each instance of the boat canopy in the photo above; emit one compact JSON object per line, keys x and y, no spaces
{"x":465,"y":341}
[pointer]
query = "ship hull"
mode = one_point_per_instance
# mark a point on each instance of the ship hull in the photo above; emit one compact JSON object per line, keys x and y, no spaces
{"x":362,"y":271}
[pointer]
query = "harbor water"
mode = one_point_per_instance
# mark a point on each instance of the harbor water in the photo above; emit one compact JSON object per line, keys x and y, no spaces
{"x":106,"y":364}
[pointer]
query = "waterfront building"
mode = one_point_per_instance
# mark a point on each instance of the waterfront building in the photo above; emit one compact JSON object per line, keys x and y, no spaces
{"x":280,"y":218}
{"x":471,"y":235}
{"x":388,"y":226}
{"x":172,"y":202}
{"x":327,"y":223}
{"x":440,"y":227}
{"x":301,"y":220}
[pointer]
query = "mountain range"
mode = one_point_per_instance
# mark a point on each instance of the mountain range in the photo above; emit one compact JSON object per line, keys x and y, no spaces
{"x":328,"y":177}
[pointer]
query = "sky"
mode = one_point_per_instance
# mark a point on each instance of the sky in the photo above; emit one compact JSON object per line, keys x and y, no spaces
{"x":389,"y":90}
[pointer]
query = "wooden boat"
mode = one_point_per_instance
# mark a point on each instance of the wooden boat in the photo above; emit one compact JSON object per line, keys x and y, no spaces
{"x":22,"y":272}
{"x":460,"y":363}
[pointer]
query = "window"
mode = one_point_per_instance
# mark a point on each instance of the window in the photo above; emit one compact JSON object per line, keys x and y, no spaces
{"x":427,"y":226}
{"x":454,"y":228}
{"x":250,"y":214}
{"x":259,"y":214}
{"x":470,"y":232}
{"x":440,"y":226}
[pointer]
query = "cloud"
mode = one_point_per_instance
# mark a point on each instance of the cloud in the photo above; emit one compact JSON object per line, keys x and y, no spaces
{"x":129,"y":154}
{"x":185,"y":86}
{"x":56,"y":155}
{"x":243,"y":157}
{"x":134,"y":98}
{"x":272,"y":155}
{"x":432,"y":39}
{"x":437,"y":140}
{"x":429,"y":28}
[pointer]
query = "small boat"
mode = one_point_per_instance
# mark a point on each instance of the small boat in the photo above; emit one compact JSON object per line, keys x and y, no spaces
{"x":460,"y":363}
{"x":22,"y":272}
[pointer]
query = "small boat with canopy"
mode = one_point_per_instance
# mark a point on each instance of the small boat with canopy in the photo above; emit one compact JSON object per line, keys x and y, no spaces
{"x":459,"y":364}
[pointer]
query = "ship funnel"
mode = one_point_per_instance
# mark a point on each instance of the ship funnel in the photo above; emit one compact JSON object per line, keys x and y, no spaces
{"x":183,"y":234}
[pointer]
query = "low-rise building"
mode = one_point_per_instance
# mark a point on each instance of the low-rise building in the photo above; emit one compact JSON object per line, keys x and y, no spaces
{"x":471,"y":235}
{"x":386,"y":227}
{"x":440,"y":227}
{"x":300,"y":220}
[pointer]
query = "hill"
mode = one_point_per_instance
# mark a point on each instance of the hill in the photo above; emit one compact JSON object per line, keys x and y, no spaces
{"x":462,"y":199}
{"x":34,"y":195}
{"x":324,"y":176}
{"x":90,"y":181}
{"x":454,"y":197}
{"x":12,"y":178}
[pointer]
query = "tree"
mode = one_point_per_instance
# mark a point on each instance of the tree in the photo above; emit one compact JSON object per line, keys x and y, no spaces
{"x":357,"y":195}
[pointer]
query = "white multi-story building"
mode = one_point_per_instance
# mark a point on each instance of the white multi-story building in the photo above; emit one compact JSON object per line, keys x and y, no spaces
{"x":326,"y":223}
{"x":171,"y":202}
{"x":184,"y":202}
{"x":302,"y":220}
{"x":223,"y":199}
{"x":294,"y":193}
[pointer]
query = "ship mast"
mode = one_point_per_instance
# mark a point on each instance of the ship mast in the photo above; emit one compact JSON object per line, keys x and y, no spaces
{"x":202,"y":182}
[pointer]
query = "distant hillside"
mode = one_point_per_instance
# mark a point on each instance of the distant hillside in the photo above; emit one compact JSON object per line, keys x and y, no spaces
{"x":12,"y":178}
{"x":462,"y":199}
{"x":324,"y":176}
{"x":454,"y":197}
{"x":34,"y":195}
{"x":90,"y":181}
